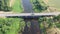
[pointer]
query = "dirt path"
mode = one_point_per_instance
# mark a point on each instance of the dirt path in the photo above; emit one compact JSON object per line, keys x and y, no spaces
{"x":53,"y":31}
{"x":58,"y":30}
{"x":46,"y":1}
{"x":11,"y":2}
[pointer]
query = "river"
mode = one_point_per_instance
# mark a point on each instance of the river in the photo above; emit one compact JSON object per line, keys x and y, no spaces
{"x":34,"y":27}
{"x":28,"y":8}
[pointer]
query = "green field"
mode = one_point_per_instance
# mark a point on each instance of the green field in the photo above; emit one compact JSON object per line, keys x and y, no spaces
{"x":54,"y":3}
{"x":17,"y":6}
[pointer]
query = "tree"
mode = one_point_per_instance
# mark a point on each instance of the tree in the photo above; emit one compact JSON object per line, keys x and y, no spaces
{"x":40,"y":5}
{"x":1,"y":5}
{"x":4,"y":5}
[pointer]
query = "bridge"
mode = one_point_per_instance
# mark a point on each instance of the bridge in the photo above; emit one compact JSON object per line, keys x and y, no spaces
{"x":30,"y":14}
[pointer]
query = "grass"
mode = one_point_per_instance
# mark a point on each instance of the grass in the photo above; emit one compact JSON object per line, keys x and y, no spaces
{"x":17,"y":6}
{"x":8,"y":1}
{"x":57,"y":25}
{"x":54,"y":3}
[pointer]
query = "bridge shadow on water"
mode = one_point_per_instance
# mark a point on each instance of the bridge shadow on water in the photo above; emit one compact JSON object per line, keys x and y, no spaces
{"x":34,"y":27}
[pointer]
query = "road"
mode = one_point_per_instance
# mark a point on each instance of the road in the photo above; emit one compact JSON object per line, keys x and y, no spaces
{"x":30,"y":14}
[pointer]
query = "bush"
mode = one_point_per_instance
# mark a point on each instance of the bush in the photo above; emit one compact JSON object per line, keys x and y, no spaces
{"x":39,"y":5}
{"x":11,"y":25}
{"x":6,"y":8}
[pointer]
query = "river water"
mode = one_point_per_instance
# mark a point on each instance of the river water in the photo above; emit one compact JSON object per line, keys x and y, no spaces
{"x":27,"y":6}
{"x":34,"y":27}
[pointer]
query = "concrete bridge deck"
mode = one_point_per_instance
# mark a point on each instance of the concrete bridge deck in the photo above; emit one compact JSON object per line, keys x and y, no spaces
{"x":31,"y":14}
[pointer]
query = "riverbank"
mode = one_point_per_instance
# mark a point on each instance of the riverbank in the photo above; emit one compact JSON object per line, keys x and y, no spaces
{"x":45,"y":5}
{"x":17,"y":6}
